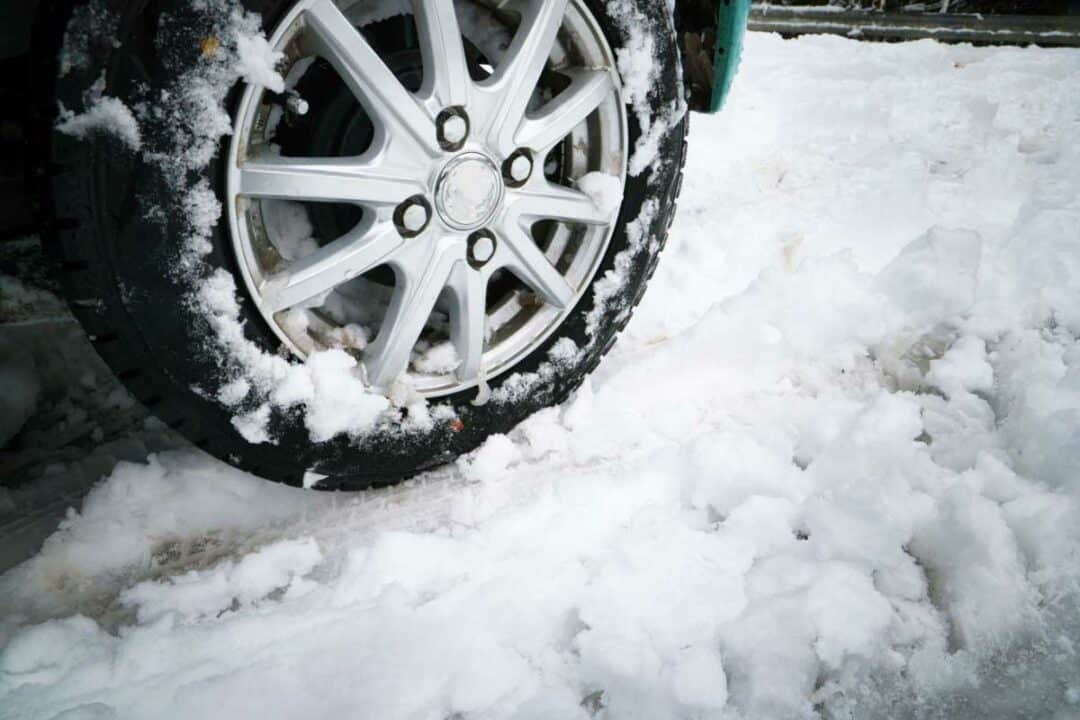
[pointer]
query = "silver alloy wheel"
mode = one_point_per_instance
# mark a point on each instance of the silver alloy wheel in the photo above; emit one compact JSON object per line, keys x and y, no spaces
{"x":445,"y":205}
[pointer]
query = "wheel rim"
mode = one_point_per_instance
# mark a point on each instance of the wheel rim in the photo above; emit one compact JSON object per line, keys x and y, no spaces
{"x":472,"y":245}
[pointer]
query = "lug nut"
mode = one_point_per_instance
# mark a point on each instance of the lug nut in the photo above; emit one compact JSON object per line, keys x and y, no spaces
{"x":481,"y":248}
{"x":414,"y":218}
{"x":453,"y":128}
{"x":518,"y":167}
{"x":296,"y":104}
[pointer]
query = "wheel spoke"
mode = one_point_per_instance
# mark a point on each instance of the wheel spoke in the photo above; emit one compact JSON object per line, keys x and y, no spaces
{"x":331,"y":265}
{"x":519,"y":71}
{"x":325,"y":180}
{"x":468,"y":318}
{"x":545,"y":200}
{"x":415,"y":294}
{"x":446,"y":76}
{"x":542,"y":131}
{"x":526,"y":260}
{"x":368,"y":76}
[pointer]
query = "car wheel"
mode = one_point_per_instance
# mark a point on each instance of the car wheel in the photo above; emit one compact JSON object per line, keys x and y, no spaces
{"x":459,"y":204}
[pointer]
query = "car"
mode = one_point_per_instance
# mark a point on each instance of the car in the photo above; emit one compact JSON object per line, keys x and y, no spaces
{"x":336,"y":243}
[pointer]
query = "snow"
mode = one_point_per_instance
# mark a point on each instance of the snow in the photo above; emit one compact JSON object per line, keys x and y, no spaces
{"x":104,"y":114}
{"x":640,"y":74}
{"x":93,"y":25}
{"x":295,"y":239}
{"x":233,"y":393}
{"x":963,"y":368}
{"x":831,"y":469}
{"x":607,"y":288}
{"x":339,"y":397}
{"x":195,"y":595}
{"x":490,"y":463}
{"x":605,"y":190}
{"x":256,"y":61}
{"x":252,"y":425}
{"x":438,"y":359}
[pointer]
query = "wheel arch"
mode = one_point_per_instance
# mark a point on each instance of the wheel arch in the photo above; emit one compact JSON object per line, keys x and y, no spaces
{"x":710,"y":39}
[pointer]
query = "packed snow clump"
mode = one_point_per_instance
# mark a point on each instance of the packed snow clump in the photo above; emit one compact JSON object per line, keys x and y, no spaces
{"x":256,"y":62}
{"x":106,"y":115}
{"x":604,"y":189}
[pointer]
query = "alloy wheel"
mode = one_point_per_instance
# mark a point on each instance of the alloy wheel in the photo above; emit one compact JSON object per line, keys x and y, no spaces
{"x":471,"y":241}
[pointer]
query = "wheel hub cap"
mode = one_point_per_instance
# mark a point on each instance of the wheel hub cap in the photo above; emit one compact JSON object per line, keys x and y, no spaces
{"x":468,"y":191}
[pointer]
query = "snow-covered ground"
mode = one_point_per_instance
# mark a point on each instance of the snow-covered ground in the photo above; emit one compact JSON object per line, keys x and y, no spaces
{"x":833,"y":467}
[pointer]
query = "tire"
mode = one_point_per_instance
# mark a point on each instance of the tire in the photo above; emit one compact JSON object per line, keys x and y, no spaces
{"x":115,"y":238}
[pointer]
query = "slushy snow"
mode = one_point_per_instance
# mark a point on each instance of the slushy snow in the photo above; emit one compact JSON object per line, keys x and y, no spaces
{"x":831,"y":470}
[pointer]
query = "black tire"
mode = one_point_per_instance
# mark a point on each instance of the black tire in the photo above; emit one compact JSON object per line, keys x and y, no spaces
{"x":116,"y":265}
